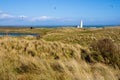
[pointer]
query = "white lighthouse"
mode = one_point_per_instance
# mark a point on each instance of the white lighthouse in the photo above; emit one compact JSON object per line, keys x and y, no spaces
{"x":81,"y":24}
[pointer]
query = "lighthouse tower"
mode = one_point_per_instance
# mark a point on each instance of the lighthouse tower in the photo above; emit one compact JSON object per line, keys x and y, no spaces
{"x":81,"y":24}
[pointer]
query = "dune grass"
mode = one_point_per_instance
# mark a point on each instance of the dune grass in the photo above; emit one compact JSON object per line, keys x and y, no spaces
{"x":83,"y":37}
{"x":41,"y":60}
{"x":61,"y":54}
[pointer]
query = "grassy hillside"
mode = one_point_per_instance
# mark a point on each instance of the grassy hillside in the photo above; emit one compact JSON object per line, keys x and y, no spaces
{"x":61,"y":54}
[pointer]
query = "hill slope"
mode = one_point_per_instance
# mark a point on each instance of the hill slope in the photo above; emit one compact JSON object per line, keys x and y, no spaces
{"x":41,"y":60}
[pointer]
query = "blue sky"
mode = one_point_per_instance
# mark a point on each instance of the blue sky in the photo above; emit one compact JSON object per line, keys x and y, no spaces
{"x":59,"y":12}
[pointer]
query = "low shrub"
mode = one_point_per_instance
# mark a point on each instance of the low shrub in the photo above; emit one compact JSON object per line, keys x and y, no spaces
{"x":106,"y":51}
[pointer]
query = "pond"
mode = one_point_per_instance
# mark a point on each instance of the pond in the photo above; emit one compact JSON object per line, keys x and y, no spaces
{"x":17,"y":34}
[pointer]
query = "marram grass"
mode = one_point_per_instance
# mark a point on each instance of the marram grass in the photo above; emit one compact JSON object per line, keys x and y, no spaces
{"x":61,"y":54}
{"x":22,"y":59}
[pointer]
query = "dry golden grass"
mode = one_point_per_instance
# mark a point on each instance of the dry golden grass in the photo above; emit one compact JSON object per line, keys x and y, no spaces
{"x":83,"y":37}
{"x":23,"y":59}
{"x":60,"y":54}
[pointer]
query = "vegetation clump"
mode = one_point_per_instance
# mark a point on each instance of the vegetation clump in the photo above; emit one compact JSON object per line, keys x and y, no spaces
{"x":106,"y":51}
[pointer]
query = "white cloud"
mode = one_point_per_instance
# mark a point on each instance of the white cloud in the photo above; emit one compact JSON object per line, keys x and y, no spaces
{"x":42,"y":18}
{"x":23,"y":16}
{"x":7,"y":17}
{"x":4,"y":15}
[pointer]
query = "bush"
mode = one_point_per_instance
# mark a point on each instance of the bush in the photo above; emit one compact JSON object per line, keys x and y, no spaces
{"x":106,"y":51}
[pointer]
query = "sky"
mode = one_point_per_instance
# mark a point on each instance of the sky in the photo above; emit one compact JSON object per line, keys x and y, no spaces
{"x":59,"y":12}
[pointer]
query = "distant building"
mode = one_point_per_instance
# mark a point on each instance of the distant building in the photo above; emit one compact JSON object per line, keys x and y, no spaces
{"x":78,"y":26}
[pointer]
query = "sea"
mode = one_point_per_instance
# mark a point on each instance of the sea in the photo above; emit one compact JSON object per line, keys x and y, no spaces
{"x":56,"y":26}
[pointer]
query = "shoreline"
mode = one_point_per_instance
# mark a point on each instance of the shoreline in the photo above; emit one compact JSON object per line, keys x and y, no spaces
{"x":74,"y":26}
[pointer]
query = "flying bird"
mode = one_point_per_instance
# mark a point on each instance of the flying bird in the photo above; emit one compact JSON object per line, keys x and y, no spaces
{"x":111,"y":6}
{"x":54,"y":8}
